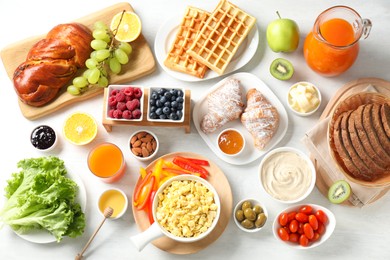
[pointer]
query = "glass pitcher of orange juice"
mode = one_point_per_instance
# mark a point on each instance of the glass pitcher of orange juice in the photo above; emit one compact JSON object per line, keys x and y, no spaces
{"x":333,"y":44}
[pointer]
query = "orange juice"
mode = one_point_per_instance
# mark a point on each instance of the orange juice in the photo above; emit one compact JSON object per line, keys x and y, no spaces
{"x":106,"y":162}
{"x":332,"y":46}
{"x":337,"y":32}
{"x":336,"y":54}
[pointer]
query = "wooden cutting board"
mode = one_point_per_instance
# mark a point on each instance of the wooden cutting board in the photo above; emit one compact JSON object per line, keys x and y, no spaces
{"x":141,"y":63}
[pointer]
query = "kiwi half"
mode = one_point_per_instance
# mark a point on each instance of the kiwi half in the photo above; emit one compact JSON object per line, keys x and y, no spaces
{"x":339,"y":192}
{"x":281,"y":69}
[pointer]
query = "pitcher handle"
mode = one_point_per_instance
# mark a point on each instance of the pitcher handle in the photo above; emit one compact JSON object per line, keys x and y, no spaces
{"x":144,"y":238}
{"x":366,"y":27}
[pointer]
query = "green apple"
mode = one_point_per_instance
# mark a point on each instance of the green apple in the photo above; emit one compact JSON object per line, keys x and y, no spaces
{"x":283,"y":35}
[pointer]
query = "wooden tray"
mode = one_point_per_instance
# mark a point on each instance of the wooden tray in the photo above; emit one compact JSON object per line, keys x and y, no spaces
{"x":323,"y":181}
{"x":221,"y":185}
{"x":141,"y":63}
{"x":186,"y":124}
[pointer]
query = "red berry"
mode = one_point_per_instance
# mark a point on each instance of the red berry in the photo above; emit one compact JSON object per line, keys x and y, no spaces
{"x":137,"y":92}
{"x":129,"y":91}
{"x":111,"y":112}
{"x":136,"y":114}
{"x":112,"y":101}
{"x":127,"y":114}
{"x":133,"y":104}
{"x":120,"y":97}
{"x":121,"y":106}
{"x":114,"y":92}
{"x":117,"y":113}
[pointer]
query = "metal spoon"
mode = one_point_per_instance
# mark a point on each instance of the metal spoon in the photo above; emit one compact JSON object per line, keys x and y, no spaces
{"x":107,"y":213}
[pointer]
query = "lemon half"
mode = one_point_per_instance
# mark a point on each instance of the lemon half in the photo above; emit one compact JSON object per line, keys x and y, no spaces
{"x":128,"y":29}
{"x":80,"y":128}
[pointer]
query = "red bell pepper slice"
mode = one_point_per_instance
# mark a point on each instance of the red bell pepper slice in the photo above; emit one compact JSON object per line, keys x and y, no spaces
{"x":199,"y":161}
{"x":143,"y":191}
{"x":190,"y":166}
{"x":150,"y":207}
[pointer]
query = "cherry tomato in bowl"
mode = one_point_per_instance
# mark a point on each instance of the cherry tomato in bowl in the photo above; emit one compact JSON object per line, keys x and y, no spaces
{"x":307,"y":226}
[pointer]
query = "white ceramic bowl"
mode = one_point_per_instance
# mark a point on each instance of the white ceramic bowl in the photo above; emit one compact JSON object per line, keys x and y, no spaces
{"x":282,"y":176}
{"x":156,"y":230}
{"x":303,"y":113}
{"x":254,"y":202}
{"x":223,"y":132}
{"x":41,"y":136}
{"x":151,"y":91}
{"x":110,"y":195}
{"x":329,"y":226}
{"x":119,"y":88}
{"x":151,"y":156}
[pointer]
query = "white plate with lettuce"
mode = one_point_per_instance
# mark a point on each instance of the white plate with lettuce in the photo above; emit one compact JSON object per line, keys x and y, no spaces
{"x":53,"y":190}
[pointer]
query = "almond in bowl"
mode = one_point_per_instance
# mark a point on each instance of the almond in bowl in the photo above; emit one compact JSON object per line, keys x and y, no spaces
{"x":358,"y":137}
{"x":143,"y":145}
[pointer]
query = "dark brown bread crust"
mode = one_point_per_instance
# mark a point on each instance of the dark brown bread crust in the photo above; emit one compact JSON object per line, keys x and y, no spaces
{"x":379,"y":158}
{"x":340,"y":148}
{"x":51,"y":63}
{"x":364,"y":171}
{"x":372,"y":136}
{"x":385,"y":118}
{"x":379,"y":130}
{"x":359,"y":148}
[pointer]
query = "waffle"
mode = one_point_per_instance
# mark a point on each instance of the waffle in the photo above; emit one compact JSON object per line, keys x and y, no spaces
{"x":221,"y":36}
{"x":177,"y":58}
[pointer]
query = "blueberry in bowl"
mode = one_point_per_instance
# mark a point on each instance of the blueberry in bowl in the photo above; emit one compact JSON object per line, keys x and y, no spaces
{"x":166,"y":105}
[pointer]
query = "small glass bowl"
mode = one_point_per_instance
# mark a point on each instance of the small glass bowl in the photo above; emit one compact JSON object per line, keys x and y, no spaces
{"x":114,"y":198}
{"x":236,"y":137}
{"x":43,"y":138}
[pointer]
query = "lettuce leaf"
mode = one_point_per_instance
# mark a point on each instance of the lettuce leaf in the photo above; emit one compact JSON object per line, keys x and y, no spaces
{"x":40,"y":196}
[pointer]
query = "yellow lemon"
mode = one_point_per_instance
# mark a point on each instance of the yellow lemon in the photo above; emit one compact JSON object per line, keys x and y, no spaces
{"x":126,"y":26}
{"x":80,"y":128}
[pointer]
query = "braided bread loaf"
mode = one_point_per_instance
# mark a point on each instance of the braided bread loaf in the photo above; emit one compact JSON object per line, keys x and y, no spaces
{"x":51,"y":63}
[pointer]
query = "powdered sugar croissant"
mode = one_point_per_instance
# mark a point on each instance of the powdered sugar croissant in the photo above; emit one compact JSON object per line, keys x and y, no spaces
{"x":260,"y":118}
{"x":224,"y":105}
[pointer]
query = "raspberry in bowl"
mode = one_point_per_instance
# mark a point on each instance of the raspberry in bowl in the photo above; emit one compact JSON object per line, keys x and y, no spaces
{"x":125,"y":102}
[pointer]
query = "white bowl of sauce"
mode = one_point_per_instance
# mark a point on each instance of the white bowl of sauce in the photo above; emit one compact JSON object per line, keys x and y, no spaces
{"x":114,"y":198}
{"x":287,"y":175}
{"x":231,"y":142}
{"x":43,"y":138}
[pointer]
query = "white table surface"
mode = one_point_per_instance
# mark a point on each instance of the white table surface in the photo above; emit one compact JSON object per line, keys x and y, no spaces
{"x":360,"y":233}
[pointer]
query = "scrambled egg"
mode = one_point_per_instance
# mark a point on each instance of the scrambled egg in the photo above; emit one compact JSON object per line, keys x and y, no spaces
{"x":186,"y":208}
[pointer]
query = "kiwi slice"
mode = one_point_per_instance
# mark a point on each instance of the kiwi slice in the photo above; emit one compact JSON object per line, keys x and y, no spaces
{"x":339,"y":192}
{"x":281,"y":69}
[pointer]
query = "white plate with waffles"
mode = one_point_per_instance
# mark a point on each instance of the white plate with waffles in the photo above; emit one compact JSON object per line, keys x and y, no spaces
{"x":167,"y":34}
{"x":250,"y":153}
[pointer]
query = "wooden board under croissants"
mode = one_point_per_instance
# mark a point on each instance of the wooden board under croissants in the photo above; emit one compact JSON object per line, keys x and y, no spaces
{"x":323,"y":181}
{"x":141,"y":63}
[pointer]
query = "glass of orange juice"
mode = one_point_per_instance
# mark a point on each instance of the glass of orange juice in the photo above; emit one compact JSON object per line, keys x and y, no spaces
{"x":106,"y":162}
{"x":332,"y":46}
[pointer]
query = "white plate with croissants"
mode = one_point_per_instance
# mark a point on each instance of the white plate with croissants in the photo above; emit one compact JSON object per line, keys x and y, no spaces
{"x":244,"y":102}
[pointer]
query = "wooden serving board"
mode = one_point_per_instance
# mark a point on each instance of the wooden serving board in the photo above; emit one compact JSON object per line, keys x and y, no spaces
{"x":141,"y":63}
{"x":219,"y":181}
{"x":323,"y":181}
{"x":186,"y":124}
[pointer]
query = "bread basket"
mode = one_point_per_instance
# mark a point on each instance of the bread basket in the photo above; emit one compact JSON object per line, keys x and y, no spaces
{"x":351,"y":103}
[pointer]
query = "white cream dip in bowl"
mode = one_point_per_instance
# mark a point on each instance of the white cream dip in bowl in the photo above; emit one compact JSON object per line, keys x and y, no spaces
{"x":287,"y":175}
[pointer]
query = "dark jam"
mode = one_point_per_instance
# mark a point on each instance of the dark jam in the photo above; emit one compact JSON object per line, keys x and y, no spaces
{"x":43,"y":137}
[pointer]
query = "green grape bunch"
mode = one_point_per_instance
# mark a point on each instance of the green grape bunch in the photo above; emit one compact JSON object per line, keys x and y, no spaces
{"x":108,"y":55}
